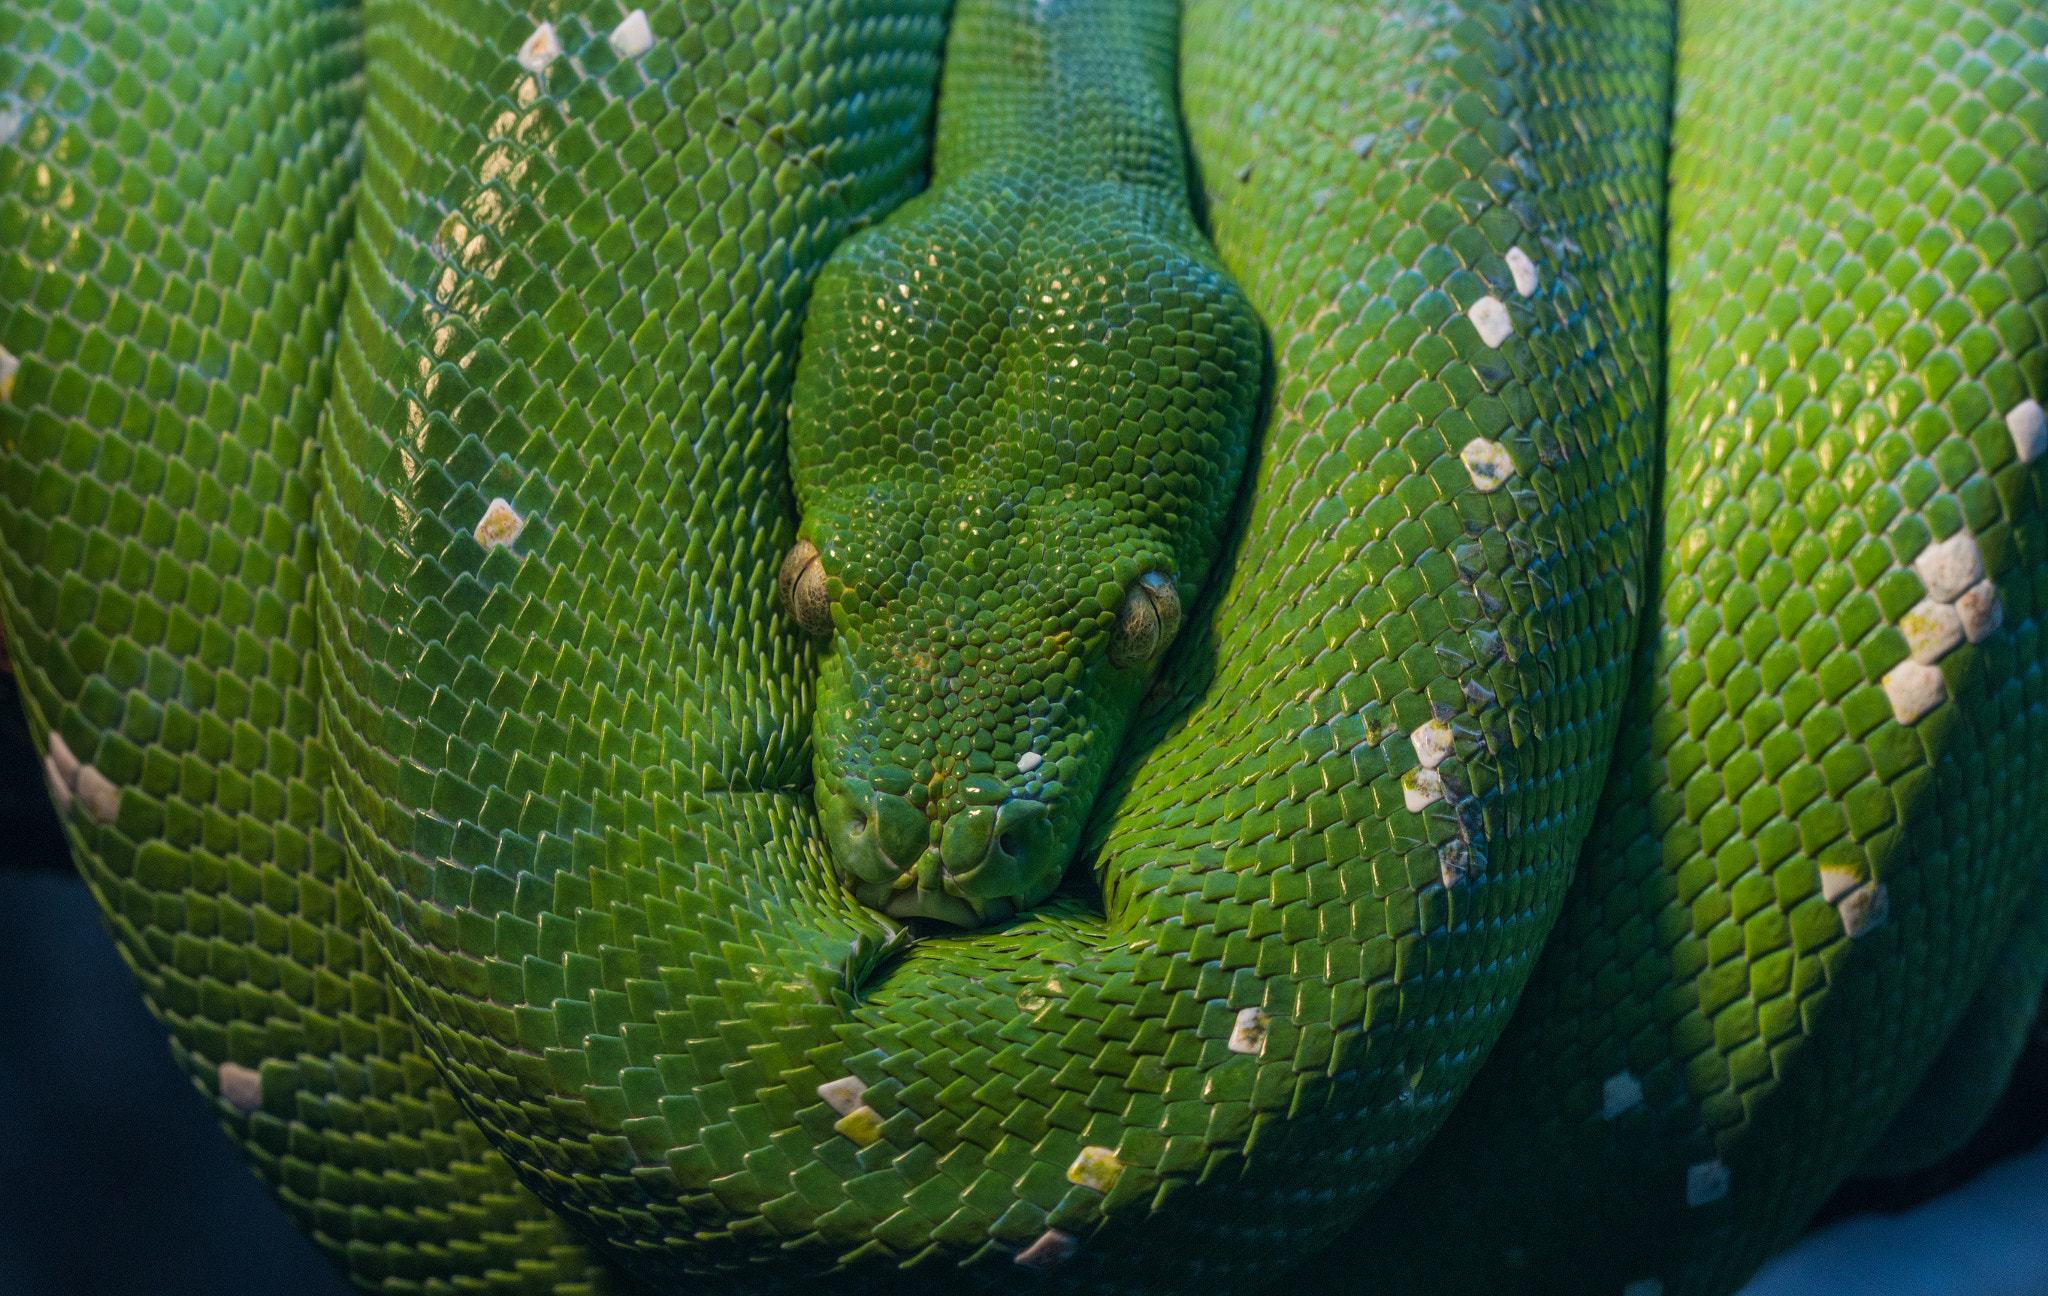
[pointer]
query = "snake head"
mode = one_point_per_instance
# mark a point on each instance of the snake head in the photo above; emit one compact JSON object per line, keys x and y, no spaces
{"x":961,"y":738}
{"x":1020,"y":419}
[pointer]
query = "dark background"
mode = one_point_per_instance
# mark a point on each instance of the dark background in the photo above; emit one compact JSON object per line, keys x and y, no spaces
{"x":115,"y":1179}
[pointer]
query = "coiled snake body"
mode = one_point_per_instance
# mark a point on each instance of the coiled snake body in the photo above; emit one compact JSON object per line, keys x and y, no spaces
{"x":1325,"y":526}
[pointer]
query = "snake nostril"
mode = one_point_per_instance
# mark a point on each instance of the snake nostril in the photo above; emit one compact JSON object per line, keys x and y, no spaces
{"x":858,"y":824}
{"x":1007,"y":844}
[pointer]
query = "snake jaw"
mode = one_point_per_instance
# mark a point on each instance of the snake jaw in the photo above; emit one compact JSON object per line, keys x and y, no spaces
{"x":982,"y":865}
{"x":927,"y":890}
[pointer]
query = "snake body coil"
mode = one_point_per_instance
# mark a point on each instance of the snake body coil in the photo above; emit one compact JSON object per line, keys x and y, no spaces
{"x":592,"y":796}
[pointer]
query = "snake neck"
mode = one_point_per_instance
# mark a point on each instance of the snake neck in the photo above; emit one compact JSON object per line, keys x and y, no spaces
{"x":1020,"y":416}
{"x":1062,"y":90}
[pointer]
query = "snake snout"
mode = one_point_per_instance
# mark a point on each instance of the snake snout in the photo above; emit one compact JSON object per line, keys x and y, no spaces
{"x":875,"y":836}
{"x":987,"y":862}
{"x":1004,"y":851}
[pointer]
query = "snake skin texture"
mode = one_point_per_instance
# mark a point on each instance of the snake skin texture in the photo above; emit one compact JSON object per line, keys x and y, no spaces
{"x":864,"y":645}
{"x":180,"y":184}
{"x":1825,"y":808}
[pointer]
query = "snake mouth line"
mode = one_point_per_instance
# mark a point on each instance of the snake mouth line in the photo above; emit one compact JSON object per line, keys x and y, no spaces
{"x":982,"y":865}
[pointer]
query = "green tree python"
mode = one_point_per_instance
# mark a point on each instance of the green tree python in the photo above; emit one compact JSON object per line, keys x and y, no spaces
{"x":1075,"y":644}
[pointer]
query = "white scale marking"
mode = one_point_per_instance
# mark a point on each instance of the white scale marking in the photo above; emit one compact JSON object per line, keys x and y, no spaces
{"x":60,"y":787}
{"x":1931,"y":629}
{"x":60,"y":770}
{"x":1950,"y":567}
{"x":99,"y":796}
{"x":1433,"y":745}
{"x":1838,"y":882}
{"x":1049,"y":1250}
{"x":1960,"y":604}
{"x":241,"y":1086}
{"x":1864,"y":910}
{"x":1248,"y":1034}
{"x":1488,"y":463}
{"x":1523,"y":269}
{"x":844,"y":1094}
{"x":540,"y":49}
{"x":1453,"y":863}
{"x":1705,"y":1182}
{"x":1914,"y":688}
{"x":500,"y":525}
{"x":1621,"y":1093}
{"x":1980,"y":611}
{"x":1490,"y":317}
{"x":1420,"y":788}
{"x":633,"y":37}
{"x":1862,"y":905}
{"x":2029,"y":427}
{"x":60,"y":752}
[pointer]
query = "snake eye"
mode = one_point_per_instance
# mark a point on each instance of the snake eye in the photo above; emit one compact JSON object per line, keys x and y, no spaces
{"x":1146,"y":623}
{"x":802,"y":584}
